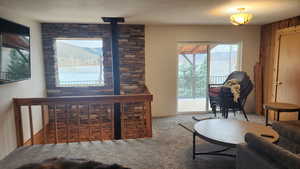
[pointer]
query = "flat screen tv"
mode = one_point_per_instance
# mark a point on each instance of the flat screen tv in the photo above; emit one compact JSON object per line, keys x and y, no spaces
{"x":14,"y":52}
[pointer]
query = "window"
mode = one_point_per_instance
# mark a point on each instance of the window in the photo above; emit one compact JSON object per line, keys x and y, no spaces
{"x":224,"y":59}
{"x":79,"y":62}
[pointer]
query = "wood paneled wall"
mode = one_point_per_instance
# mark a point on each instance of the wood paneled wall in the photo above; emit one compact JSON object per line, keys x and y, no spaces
{"x":267,"y":45}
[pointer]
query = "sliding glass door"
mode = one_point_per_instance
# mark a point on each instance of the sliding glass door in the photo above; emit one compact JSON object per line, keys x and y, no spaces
{"x":224,"y":59}
{"x":192,"y":77}
{"x":198,"y":64}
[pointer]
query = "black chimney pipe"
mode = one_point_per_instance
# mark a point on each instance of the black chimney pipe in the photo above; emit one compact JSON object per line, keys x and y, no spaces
{"x":116,"y":69}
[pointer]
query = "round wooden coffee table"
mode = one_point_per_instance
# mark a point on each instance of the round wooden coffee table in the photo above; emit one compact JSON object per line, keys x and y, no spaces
{"x":229,"y":133}
{"x":280,"y":107}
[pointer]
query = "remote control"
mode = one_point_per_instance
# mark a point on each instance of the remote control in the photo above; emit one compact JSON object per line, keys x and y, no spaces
{"x":266,"y":135}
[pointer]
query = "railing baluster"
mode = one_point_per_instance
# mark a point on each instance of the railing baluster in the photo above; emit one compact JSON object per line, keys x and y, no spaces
{"x":89,"y":123}
{"x":18,"y":124}
{"x":31,"y":125}
{"x":44,"y":124}
{"x":123,"y":129}
{"x":78,"y":118}
{"x":55,"y":125}
{"x":68,"y":122}
{"x":112,"y":112}
{"x":100,"y":126}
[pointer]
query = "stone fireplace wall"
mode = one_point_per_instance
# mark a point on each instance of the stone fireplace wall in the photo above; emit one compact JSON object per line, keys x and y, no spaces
{"x":132,"y":72}
{"x":131,"y":52}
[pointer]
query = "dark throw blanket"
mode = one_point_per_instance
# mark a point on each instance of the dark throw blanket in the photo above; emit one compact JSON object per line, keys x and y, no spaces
{"x":63,"y":163}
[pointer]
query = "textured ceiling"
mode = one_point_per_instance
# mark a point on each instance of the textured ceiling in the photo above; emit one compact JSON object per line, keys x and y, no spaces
{"x":152,"y":11}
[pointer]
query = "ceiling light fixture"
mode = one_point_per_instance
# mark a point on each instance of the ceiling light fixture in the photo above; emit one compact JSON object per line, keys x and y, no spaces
{"x":240,"y":18}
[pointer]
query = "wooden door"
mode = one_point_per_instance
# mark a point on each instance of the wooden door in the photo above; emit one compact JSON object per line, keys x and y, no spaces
{"x":286,"y":83}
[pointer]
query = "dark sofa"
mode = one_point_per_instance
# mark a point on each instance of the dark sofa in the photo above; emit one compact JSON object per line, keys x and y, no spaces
{"x":289,"y":132}
{"x":260,"y":154}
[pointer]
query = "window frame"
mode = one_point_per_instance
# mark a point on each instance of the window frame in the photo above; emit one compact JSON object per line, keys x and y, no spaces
{"x":57,"y":85}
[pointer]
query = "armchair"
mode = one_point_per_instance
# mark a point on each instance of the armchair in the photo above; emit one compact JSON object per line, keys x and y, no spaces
{"x":222,"y":97}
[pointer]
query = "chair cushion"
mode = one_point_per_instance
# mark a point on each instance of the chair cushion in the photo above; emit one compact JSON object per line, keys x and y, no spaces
{"x":214,"y":91}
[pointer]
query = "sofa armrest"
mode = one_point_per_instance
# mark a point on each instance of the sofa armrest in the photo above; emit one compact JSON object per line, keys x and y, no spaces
{"x":289,"y":130}
{"x":274,"y":153}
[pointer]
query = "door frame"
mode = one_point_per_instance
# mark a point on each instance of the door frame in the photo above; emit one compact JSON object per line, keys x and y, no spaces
{"x":279,"y":34}
{"x":208,"y":43}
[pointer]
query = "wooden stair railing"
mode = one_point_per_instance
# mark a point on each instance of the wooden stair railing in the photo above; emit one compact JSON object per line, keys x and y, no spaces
{"x":82,"y":118}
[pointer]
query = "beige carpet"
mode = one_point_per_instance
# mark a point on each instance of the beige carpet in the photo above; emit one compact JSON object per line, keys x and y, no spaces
{"x":170,"y":148}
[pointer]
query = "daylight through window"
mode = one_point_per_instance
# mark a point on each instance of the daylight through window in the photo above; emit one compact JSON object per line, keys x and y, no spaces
{"x":79,"y":62}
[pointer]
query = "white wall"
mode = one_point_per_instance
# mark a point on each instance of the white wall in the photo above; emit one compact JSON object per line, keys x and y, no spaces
{"x":35,"y":87}
{"x":161,"y":68}
{"x":161,"y":58}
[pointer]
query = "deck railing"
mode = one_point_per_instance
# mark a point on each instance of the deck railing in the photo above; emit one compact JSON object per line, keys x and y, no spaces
{"x":84,"y":118}
{"x":196,"y":87}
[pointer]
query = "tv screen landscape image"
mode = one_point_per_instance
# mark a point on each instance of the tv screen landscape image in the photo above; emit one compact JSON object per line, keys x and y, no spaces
{"x":14,"y":52}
